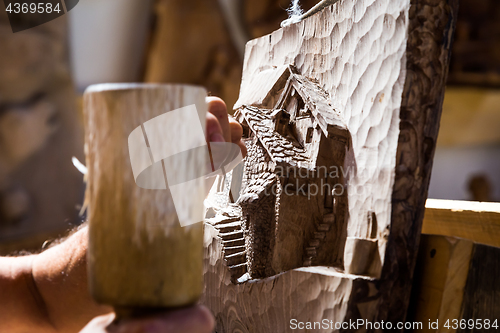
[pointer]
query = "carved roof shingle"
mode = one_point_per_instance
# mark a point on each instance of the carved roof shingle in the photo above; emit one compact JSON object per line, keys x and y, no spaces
{"x":329,"y":118}
{"x":282,"y":150}
{"x":261,"y":185}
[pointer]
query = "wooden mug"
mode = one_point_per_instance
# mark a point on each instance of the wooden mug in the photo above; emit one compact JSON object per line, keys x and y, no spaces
{"x":139,"y":255}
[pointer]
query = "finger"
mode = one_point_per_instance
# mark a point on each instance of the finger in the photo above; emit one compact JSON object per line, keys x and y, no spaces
{"x":214,"y":130}
{"x":99,"y":324}
{"x":243,"y":148}
{"x":236,"y":130}
{"x":237,"y":134}
{"x":217,"y":107}
{"x":196,"y":319}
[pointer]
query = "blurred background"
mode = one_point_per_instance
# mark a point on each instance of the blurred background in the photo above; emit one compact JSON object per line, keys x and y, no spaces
{"x":44,"y":71}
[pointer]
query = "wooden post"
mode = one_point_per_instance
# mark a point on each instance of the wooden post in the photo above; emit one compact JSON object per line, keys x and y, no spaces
{"x":456,"y":275}
{"x":139,"y":255}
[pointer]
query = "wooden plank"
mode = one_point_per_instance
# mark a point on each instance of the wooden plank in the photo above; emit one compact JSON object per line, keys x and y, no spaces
{"x":451,"y":254}
{"x":271,"y":304}
{"x":449,"y":258}
{"x":482,"y":292}
{"x":337,"y":49}
{"x":439,"y":281}
{"x":420,"y":117}
{"x":475,"y":221}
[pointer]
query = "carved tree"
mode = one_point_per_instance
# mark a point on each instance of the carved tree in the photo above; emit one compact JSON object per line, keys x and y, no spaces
{"x":375,"y":71}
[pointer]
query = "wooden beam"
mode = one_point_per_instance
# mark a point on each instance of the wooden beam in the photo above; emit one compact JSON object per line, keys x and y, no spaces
{"x":426,"y":75}
{"x":439,"y":282}
{"x":453,"y":275}
{"x":481,"y":298}
{"x":475,"y":221}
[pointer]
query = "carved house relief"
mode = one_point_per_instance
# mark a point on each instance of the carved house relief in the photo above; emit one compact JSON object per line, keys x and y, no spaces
{"x":291,"y":206}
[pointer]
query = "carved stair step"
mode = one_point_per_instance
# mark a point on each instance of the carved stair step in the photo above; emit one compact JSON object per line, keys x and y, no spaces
{"x":307,"y":262}
{"x":311,"y":251}
{"x":238,"y":270}
{"x":314,"y":243}
{"x":319,"y":235}
{"x":323,"y":227}
{"x":329,"y":218}
{"x":236,"y":258}
{"x":231,"y":235}
{"x":233,"y":249}
{"x":220,"y":219}
{"x":228,"y":219}
{"x":229,"y":227}
{"x":234,"y":242}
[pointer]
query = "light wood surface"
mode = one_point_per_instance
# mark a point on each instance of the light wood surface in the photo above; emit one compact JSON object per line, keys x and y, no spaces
{"x":481,"y":298}
{"x":353,"y":75}
{"x":454,"y":265}
{"x":271,"y":304}
{"x":439,"y":282}
{"x":349,"y":49}
{"x":475,"y":221}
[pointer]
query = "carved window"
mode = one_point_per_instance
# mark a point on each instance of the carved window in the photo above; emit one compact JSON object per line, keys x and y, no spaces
{"x":309,"y":135}
{"x":246,"y":130}
{"x":282,"y":122}
{"x":292,"y":106}
{"x":295,"y":106}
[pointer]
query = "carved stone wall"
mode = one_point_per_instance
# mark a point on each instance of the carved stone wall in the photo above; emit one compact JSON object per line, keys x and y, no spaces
{"x":258,"y":218}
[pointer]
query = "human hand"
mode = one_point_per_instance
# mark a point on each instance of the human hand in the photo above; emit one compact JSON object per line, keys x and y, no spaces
{"x":221,"y":127}
{"x":196,"y":319}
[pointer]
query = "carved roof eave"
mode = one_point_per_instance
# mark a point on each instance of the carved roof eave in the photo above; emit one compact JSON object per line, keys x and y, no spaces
{"x":256,"y":192}
{"x":238,"y":115}
{"x":242,"y":117}
{"x":317,"y":100}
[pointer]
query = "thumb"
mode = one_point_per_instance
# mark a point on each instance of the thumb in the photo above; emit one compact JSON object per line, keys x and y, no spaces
{"x":197,"y":319}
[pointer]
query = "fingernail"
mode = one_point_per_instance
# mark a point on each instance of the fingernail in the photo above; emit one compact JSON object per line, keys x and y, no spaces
{"x":217,"y":137}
